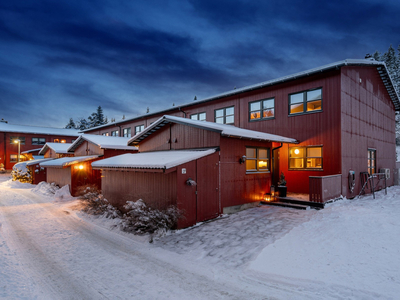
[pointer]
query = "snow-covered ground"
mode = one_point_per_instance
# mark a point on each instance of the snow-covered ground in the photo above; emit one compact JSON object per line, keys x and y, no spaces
{"x":349,"y":250}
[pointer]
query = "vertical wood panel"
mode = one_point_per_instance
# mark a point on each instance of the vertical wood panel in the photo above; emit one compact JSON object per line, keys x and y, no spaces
{"x":59,"y":176}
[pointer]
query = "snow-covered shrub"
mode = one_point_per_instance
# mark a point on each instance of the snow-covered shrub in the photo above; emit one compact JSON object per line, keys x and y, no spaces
{"x":142,"y":219}
{"x":21,"y":173}
{"x":94,"y":202}
{"x":46,"y":188}
{"x":2,"y":170}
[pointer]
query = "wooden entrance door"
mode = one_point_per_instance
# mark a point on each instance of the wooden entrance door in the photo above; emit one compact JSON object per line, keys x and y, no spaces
{"x":207,"y":203}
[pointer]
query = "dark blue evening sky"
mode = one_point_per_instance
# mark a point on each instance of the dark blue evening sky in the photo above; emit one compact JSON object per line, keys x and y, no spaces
{"x":62,"y":59}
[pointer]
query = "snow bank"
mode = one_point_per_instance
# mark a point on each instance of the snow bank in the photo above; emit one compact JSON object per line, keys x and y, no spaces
{"x":16,"y":184}
{"x":353,"y":243}
{"x":63,"y":194}
{"x":45,"y":188}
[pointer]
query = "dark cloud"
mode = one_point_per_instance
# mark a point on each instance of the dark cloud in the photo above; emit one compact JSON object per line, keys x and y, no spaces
{"x":64,"y":58}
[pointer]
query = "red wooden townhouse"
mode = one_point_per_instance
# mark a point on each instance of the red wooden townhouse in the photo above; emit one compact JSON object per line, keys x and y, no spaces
{"x":203,"y":168}
{"x":342,"y":115}
{"x":27,"y":138}
{"x":77,"y":171}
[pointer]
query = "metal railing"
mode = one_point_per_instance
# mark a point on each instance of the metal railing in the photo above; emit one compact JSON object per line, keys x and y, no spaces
{"x":368,"y":180}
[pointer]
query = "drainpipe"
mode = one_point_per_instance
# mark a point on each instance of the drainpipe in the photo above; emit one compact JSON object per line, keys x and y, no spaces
{"x":184,"y":113}
{"x":273,"y":156}
{"x":5,"y":151}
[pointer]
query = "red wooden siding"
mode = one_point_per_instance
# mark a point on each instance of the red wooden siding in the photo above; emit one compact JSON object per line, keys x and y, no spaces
{"x":38,"y":173}
{"x":157,"y":189}
{"x":86,"y":149}
{"x":114,"y":152}
{"x":186,"y":195}
{"x":325,"y":188}
{"x":59,"y":176}
{"x":368,"y":121}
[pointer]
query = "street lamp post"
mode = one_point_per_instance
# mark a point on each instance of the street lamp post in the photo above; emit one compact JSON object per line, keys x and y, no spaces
{"x":19,"y":147}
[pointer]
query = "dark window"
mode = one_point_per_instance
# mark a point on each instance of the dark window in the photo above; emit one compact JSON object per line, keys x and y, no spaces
{"x":260,"y":110}
{"x":14,"y":139}
{"x":305,"y":157}
{"x":225,"y":115}
{"x":139,"y":129}
{"x":127,"y":132}
{"x":257,"y":160}
{"x":371,"y":161}
{"x":199,"y":116}
{"x":38,"y":141}
{"x":305,"y":102}
{"x":114,"y":133}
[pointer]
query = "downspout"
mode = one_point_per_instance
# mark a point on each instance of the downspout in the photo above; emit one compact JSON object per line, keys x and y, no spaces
{"x":119,"y":126}
{"x":184,"y":113}
{"x":273,"y":164}
{"x":5,"y":149}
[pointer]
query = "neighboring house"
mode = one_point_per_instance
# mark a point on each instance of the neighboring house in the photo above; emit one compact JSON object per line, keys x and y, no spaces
{"x":77,"y":171}
{"x":30,"y":137}
{"x":203,"y":168}
{"x":56,"y":150}
{"x":342,"y":114}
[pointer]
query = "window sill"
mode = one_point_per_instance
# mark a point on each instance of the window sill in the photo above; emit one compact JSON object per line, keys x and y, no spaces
{"x":264,"y":119}
{"x":305,"y":113}
{"x":249,"y":173}
{"x":306,"y":169}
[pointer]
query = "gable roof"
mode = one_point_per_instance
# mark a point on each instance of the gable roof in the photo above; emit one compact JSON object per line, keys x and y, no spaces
{"x":224,"y":130}
{"x":381,"y":67}
{"x":30,"y":151}
{"x":5,"y":127}
{"x":152,"y":160}
{"x":103,"y":142}
{"x":59,"y":148}
{"x":67,"y":161}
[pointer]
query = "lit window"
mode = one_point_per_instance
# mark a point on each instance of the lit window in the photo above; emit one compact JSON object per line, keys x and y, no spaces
{"x":14,"y":158}
{"x":114,"y":133}
{"x":21,"y":140}
{"x":257,"y":160}
{"x":199,"y":116}
{"x":38,"y":141}
{"x":63,"y":141}
{"x":127,"y":132}
{"x":304,"y":102}
{"x":371,"y":161}
{"x":225,"y":115}
{"x":264,"y":109}
{"x":138,"y":129}
{"x":56,"y":140}
{"x":305,"y":157}
{"x":105,"y":133}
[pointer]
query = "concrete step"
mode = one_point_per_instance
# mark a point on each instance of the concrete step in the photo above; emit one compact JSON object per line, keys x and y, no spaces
{"x":285,"y":204}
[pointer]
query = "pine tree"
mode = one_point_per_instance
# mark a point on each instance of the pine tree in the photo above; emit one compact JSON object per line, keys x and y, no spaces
{"x":392,"y":63}
{"x":71,"y":124}
{"x":376,"y":56}
{"x":82,"y":124}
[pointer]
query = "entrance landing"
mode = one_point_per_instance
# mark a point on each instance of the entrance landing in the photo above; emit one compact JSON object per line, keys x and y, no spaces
{"x":294,"y":200}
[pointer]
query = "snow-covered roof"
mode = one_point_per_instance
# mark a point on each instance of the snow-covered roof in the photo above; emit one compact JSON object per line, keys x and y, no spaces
{"x":224,"y":130}
{"x":381,"y":67}
{"x":59,"y":148}
{"x":5,"y":127}
{"x":152,"y":160}
{"x":67,"y":161}
{"x":30,"y":151}
{"x":37,"y":161}
{"x":104,"y":142}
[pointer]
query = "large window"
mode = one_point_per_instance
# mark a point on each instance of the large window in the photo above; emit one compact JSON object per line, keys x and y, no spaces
{"x":199,"y":116}
{"x":264,"y":109}
{"x":105,"y":134}
{"x":257,"y":160}
{"x":371,"y":161}
{"x":14,"y":138}
{"x":14,"y":158}
{"x":38,"y":141}
{"x":305,"y":102}
{"x":127,"y":132}
{"x":225,"y":115}
{"x":305,"y":157}
{"x":115,"y":133}
{"x":139,"y":129}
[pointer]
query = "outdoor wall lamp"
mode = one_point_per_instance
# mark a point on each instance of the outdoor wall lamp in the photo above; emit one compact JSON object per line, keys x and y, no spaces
{"x":242,"y":160}
{"x":80,"y":167}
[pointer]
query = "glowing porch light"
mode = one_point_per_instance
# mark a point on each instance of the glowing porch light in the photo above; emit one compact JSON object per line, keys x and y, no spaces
{"x":80,"y":167}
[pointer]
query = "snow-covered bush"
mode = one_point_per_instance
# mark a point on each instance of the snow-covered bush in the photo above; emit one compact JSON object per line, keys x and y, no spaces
{"x":21,"y":173}
{"x":46,"y":188}
{"x":94,"y":202}
{"x":141,"y":219}
{"x":2,"y":170}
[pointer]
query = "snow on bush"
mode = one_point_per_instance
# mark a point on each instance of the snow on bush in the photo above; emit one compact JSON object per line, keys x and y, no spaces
{"x":63,"y":193}
{"x":45,"y":188}
{"x":94,"y":203}
{"x":141,"y":219}
{"x":21,"y":173}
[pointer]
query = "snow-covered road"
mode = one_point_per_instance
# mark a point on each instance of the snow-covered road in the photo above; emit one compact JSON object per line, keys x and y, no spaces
{"x":51,"y":254}
{"x":350,"y":250}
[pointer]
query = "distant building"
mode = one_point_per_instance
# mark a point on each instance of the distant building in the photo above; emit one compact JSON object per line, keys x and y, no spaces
{"x":30,"y":137}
